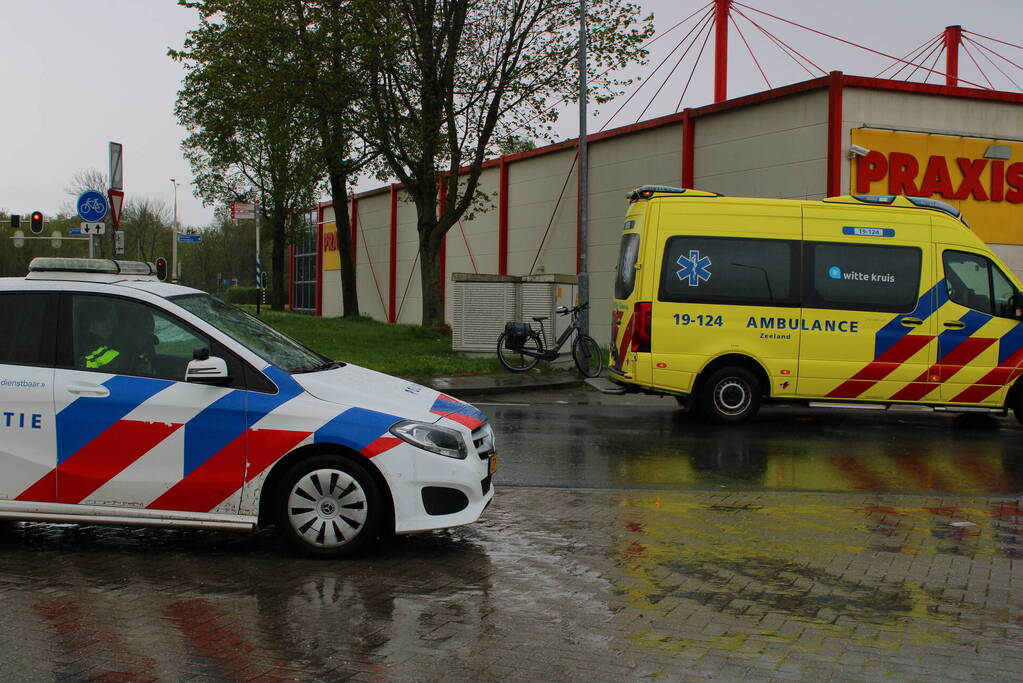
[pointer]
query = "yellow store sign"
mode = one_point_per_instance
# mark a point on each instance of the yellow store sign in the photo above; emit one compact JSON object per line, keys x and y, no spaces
{"x":330,"y":256}
{"x":981,"y":177}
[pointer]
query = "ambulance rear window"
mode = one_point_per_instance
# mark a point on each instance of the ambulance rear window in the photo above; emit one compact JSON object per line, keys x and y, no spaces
{"x":625,"y":278}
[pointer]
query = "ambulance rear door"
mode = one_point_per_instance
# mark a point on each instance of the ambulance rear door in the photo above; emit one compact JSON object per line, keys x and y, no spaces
{"x":627,"y":356}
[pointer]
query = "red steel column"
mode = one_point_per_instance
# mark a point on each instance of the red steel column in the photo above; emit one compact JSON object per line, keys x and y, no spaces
{"x":502,"y":219}
{"x":392,"y":283}
{"x":319,"y":259}
{"x":721,"y":10}
{"x":688,"y":147}
{"x":953,"y":38}
{"x":834,"y":162}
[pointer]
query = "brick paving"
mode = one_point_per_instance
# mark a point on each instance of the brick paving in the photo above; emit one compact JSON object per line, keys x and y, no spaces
{"x":554,"y":584}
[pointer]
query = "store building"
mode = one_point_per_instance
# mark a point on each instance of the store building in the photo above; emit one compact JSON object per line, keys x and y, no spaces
{"x":834,"y":135}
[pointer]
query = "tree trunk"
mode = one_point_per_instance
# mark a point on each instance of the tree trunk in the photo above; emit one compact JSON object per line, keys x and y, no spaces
{"x":429,"y":270}
{"x":278,"y":295}
{"x":338,"y":195}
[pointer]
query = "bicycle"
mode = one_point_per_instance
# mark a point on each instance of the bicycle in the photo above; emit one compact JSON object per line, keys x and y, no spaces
{"x":520,"y":347}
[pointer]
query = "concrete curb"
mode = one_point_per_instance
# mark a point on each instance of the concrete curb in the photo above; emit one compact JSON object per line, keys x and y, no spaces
{"x":483,"y":385}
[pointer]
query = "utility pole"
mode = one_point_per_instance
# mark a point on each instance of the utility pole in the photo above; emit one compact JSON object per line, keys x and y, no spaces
{"x":584,"y":180}
{"x":174,"y":238}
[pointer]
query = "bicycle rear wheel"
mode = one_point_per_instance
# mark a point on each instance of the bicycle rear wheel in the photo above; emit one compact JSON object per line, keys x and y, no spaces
{"x":515,"y":360}
{"x":588,"y":357}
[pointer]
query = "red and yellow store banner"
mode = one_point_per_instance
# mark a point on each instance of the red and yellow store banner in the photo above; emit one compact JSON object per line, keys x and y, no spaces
{"x":331,"y":255}
{"x":971,"y":174}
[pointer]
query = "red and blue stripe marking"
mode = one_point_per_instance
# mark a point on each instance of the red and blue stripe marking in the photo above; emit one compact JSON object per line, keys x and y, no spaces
{"x":462,"y":413}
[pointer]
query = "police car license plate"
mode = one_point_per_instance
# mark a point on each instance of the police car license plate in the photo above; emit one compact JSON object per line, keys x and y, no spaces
{"x":493,"y":464}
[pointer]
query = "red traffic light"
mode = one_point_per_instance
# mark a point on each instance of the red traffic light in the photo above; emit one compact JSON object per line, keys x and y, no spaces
{"x":36,"y":222}
{"x":161,"y":269}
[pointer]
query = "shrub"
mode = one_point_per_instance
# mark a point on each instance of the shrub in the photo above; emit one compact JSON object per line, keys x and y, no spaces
{"x":241,"y":295}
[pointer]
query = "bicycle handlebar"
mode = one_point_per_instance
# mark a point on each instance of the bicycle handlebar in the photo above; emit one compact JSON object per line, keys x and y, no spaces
{"x":576,"y":309}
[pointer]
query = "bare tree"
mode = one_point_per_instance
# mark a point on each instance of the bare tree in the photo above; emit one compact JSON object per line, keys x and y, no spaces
{"x":452,"y":81}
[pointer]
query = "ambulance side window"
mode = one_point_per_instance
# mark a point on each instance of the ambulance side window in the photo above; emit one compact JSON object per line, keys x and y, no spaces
{"x":862,"y":277}
{"x":28,"y":328}
{"x":730,"y":270}
{"x":975,"y":282}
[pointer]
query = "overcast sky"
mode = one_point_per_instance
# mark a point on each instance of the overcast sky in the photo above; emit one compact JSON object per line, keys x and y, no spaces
{"x":77,"y":74}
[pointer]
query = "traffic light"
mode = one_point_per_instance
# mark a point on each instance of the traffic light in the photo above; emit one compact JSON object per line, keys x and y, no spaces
{"x":36,"y":222}
{"x":15,"y":221}
{"x":161,"y":269}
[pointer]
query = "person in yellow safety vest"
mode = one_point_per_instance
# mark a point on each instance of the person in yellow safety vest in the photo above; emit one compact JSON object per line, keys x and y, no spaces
{"x":97,"y":343}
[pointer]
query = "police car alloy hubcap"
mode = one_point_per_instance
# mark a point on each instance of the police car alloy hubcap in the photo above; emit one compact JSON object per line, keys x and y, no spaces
{"x":327,"y":508}
{"x":731,"y":397}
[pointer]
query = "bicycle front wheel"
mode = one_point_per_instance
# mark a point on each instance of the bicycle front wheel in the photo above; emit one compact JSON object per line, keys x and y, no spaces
{"x":587,"y":356}
{"x":514,"y":359}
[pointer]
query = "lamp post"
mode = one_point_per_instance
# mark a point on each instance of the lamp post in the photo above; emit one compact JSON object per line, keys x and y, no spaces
{"x":174,"y":238}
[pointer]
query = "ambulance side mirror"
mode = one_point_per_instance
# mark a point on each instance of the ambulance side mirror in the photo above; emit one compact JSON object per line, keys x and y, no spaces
{"x":206,"y":369}
{"x":1017,"y":305}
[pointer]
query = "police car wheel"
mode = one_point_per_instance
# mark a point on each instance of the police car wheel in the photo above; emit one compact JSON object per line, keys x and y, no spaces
{"x":730,"y":395}
{"x":327,"y":506}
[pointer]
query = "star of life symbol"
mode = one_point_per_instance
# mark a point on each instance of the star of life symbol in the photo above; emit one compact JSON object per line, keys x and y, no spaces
{"x":694,"y":268}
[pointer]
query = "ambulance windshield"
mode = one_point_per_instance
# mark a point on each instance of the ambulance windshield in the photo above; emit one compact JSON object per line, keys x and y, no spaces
{"x":269,"y":344}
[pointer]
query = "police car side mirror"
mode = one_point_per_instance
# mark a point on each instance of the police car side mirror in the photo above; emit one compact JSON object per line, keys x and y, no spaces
{"x":207,"y":370}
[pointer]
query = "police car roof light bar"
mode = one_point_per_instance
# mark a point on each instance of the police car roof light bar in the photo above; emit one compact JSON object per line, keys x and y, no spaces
{"x":51,"y":264}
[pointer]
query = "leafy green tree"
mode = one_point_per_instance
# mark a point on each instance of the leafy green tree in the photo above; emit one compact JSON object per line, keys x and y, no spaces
{"x":454,"y":81}
{"x":305,"y":52}
{"x":247,"y":140}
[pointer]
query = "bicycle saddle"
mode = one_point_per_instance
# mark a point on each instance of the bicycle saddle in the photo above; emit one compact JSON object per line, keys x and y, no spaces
{"x":539,"y":318}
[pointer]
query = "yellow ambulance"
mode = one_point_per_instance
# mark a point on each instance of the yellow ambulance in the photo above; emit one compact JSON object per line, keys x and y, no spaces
{"x":870,"y":301}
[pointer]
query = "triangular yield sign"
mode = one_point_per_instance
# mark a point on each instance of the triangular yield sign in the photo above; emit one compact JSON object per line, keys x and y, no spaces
{"x":116,"y":204}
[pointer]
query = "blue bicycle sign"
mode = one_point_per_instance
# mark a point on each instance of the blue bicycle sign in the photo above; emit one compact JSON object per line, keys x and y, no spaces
{"x":92,"y":206}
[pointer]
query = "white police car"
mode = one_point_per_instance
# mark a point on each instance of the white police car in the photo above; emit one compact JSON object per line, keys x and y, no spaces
{"x":126,"y":400}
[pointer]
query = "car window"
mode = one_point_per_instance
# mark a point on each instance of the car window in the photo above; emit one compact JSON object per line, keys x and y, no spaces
{"x":122,"y":336}
{"x":27,"y":328}
{"x":966,"y":277}
{"x":628,"y":254}
{"x":1002,"y":293}
{"x":976,"y":282}
{"x":272,"y":346}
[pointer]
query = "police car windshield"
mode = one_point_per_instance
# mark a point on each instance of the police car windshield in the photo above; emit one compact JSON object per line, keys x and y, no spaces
{"x":272,"y":346}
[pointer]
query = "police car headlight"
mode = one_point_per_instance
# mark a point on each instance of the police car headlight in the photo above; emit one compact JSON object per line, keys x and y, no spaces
{"x":431,"y":437}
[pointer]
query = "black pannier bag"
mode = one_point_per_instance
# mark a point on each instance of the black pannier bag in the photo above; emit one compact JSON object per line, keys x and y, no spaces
{"x":516,"y":334}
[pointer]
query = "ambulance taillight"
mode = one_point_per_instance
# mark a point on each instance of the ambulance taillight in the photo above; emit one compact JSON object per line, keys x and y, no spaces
{"x":642,"y":320}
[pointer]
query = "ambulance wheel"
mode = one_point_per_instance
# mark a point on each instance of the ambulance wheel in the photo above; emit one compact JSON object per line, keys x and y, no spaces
{"x":327,"y":506}
{"x":729,"y":396}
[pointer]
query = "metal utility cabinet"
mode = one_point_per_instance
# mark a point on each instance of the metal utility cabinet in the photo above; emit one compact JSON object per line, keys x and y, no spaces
{"x":482,"y":304}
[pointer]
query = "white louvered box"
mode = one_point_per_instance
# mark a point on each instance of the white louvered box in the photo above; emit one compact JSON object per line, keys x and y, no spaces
{"x":482,"y":304}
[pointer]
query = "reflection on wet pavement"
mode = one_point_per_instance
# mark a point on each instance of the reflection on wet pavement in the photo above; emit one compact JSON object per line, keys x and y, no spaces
{"x":554,"y":584}
{"x":788,"y":449}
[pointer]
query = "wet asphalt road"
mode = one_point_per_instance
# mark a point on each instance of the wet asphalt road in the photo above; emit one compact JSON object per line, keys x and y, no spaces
{"x":627,"y":541}
{"x":787,"y":448}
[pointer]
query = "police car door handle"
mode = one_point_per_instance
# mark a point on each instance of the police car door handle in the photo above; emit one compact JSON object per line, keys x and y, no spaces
{"x":911,"y":322}
{"x":955,"y":324}
{"x":95,"y":390}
